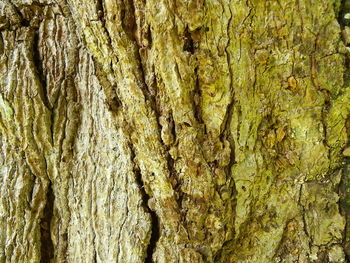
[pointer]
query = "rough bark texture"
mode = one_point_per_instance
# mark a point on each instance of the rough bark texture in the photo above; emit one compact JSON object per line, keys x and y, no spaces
{"x":187,"y":131}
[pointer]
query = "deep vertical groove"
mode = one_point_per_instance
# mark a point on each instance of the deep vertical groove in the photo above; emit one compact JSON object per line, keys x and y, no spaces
{"x":344,"y":197}
{"x":154,"y":237}
{"x":197,"y":94}
{"x":128,"y":19}
{"x":101,"y":12}
{"x":155,"y":228}
{"x":40,"y":69}
{"x":344,"y":8}
{"x":188,"y":42}
{"x":226,"y":134}
{"x":47,"y":247}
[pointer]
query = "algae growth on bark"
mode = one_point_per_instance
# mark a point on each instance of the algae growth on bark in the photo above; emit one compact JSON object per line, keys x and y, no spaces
{"x":190,"y":131}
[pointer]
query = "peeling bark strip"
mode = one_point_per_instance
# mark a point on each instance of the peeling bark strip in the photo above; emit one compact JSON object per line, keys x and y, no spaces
{"x":174,"y":131}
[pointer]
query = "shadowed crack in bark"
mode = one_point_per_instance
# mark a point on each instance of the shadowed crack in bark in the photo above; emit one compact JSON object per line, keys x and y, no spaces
{"x":154,"y":237}
{"x":344,"y":207}
{"x":344,"y":182}
{"x":154,"y":221}
{"x":47,"y":247}
{"x":45,"y":229}
{"x":155,"y":234}
{"x":344,"y":9}
{"x":37,"y":60}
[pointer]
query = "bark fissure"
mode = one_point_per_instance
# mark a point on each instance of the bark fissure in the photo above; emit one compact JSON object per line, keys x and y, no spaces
{"x":197,"y":98}
{"x":23,"y":22}
{"x":344,"y":184}
{"x":344,"y":206}
{"x":178,"y":126}
{"x":128,"y":19}
{"x":47,"y":248}
{"x":343,"y":10}
{"x":146,"y":198}
{"x":101,"y":14}
{"x":40,"y":68}
{"x":303,"y":215}
{"x":189,"y":45}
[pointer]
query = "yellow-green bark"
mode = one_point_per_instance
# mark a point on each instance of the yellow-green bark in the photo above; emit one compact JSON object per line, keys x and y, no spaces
{"x":174,"y":131}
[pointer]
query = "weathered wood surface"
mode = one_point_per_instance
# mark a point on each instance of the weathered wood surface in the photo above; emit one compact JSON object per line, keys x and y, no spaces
{"x":174,"y":131}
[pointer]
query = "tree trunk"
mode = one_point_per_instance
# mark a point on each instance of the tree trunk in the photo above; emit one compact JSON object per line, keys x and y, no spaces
{"x":174,"y":131}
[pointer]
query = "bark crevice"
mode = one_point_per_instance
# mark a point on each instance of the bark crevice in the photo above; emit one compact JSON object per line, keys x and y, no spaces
{"x":38,"y":63}
{"x":47,"y":248}
{"x":344,"y":184}
{"x":343,"y":9}
{"x":128,"y":19}
{"x":146,"y":198}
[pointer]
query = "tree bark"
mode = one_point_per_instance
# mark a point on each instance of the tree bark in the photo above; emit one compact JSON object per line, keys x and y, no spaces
{"x":174,"y":131}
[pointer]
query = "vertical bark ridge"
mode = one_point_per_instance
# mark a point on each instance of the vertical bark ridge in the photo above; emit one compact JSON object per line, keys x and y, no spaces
{"x":181,"y":49}
{"x":67,"y":79}
{"x":184,"y":120}
{"x":140,"y":117}
{"x":22,"y":113}
{"x":173,"y":131}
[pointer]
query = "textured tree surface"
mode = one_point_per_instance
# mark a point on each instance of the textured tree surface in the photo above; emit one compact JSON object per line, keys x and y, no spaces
{"x":189,"y":131}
